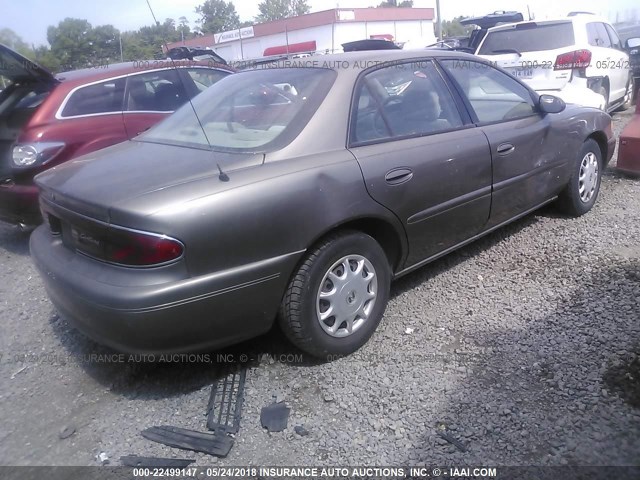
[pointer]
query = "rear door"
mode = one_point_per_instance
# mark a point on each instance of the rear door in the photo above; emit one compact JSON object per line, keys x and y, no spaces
{"x":529,"y":51}
{"x":420,"y":156}
{"x":620,"y":63}
{"x":526,"y":168}
{"x":91,"y":118}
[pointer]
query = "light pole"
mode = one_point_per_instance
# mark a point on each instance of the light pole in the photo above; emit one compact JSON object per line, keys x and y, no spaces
{"x":439,"y":20}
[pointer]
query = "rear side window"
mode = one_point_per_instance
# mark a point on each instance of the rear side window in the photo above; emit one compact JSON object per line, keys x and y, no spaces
{"x":100,"y":98}
{"x":160,"y":91}
{"x":529,"y":37}
{"x":203,"y":78}
{"x":493,"y":95}
{"x":615,"y":40}
{"x":597,"y":34}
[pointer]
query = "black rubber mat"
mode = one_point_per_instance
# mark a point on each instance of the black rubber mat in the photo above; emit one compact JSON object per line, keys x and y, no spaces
{"x":212,"y":443}
{"x":225,"y":402}
{"x":136,"y":461}
{"x":275,"y":417}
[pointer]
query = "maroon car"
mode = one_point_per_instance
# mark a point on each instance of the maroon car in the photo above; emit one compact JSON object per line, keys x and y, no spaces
{"x":629,"y":153}
{"x":46,"y":120}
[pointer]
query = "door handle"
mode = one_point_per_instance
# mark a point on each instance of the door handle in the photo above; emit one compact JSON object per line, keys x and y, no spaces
{"x":505,"y":149}
{"x":398,"y":176}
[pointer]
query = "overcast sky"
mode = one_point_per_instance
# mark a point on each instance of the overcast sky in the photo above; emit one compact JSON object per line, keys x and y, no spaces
{"x":30,"y":18}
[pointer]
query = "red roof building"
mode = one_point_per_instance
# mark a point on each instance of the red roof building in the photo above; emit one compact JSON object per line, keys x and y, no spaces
{"x":323,"y":31}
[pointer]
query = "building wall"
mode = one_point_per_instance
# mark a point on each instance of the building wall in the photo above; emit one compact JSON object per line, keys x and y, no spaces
{"x":328,"y":38}
{"x":254,"y":47}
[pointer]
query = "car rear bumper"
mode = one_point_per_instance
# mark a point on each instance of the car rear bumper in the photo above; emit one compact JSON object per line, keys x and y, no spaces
{"x":19,"y":204}
{"x":193,"y":314}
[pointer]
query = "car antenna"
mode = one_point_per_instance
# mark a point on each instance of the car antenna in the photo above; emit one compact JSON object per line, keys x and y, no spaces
{"x":222,"y":176}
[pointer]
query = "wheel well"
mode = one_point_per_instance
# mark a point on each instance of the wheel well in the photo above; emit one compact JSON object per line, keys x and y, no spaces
{"x":601,"y":139}
{"x":381,"y":231}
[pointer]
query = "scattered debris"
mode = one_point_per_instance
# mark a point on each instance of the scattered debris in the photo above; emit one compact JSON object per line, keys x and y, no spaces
{"x":211,"y":443}
{"x":409,"y":330}
{"x":103,"y":458}
{"x":225,"y":402}
{"x":274,"y":417}
{"x":452,"y":441}
{"x":300,"y":430}
{"x":136,"y":461}
{"x":66,"y":431}
{"x":13,"y":375}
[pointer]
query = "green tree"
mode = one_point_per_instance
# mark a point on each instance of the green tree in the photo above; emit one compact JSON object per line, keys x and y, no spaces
{"x":76,"y":44}
{"x":217,"y":16}
{"x":45,"y":57}
{"x":395,"y":3}
{"x":12,"y":40}
{"x":183,"y":28}
{"x":279,"y":9}
{"x":453,"y":28}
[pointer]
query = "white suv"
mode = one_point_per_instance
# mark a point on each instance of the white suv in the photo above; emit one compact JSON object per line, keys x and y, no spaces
{"x":579,"y":59}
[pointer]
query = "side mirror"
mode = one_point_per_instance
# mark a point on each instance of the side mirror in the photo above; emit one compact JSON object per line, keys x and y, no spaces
{"x":632,"y":43}
{"x":551,"y":104}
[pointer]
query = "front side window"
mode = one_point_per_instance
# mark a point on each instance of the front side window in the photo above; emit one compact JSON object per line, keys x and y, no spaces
{"x":493,"y":95}
{"x":251,"y":111}
{"x":403,"y":100}
{"x":100,"y":98}
{"x":160,"y":91}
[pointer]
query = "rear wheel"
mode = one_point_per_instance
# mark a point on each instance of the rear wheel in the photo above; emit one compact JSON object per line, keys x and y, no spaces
{"x":336,"y":299}
{"x":628,"y":96}
{"x":581,"y":192}
{"x":604,"y":91}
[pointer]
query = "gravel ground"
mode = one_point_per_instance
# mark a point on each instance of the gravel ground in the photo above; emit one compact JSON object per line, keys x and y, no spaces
{"x":525,"y":347}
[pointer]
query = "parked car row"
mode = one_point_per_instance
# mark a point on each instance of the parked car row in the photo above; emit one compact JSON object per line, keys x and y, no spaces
{"x":48,"y":119}
{"x":298,"y":194}
{"x":579,"y":58}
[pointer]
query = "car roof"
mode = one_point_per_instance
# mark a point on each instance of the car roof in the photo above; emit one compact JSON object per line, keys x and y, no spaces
{"x":339,"y":61}
{"x":103,"y":72}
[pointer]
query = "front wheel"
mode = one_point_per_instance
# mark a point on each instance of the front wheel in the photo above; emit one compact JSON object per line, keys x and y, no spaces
{"x":580,"y":194}
{"x":337,"y":297}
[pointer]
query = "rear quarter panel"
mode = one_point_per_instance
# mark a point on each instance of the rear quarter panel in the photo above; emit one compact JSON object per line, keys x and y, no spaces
{"x":273,"y":209}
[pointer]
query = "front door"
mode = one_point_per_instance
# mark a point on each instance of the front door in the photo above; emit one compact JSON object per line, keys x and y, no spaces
{"x":518,"y":135}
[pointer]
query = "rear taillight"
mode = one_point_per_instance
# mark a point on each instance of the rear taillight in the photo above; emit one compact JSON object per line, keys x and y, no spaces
{"x":571,"y":60}
{"x":130,"y":247}
{"x":122,"y":246}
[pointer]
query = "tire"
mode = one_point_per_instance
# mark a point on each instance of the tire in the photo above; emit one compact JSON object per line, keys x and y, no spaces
{"x":604,"y":91}
{"x":628,"y":96}
{"x":302,"y":307}
{"x":575,"y":200}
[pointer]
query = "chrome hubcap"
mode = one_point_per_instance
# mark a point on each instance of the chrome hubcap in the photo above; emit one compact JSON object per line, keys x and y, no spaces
{"x":588,"y":178}
{"x":346,"y":296}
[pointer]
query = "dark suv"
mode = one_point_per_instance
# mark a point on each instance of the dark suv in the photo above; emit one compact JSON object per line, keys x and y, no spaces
{"x":46,"y":120}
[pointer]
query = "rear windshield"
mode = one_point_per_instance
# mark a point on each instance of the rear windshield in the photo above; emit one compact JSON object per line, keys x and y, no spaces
{"x":252,"y":111}
{"x":529,"y":38}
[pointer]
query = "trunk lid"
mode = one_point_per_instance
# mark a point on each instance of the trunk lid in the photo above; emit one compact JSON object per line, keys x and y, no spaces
{"x":122,"y":175}
{"x":17,"y":67}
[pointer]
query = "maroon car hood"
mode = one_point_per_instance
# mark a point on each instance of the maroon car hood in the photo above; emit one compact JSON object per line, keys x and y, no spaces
{"x":94,"y":184}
